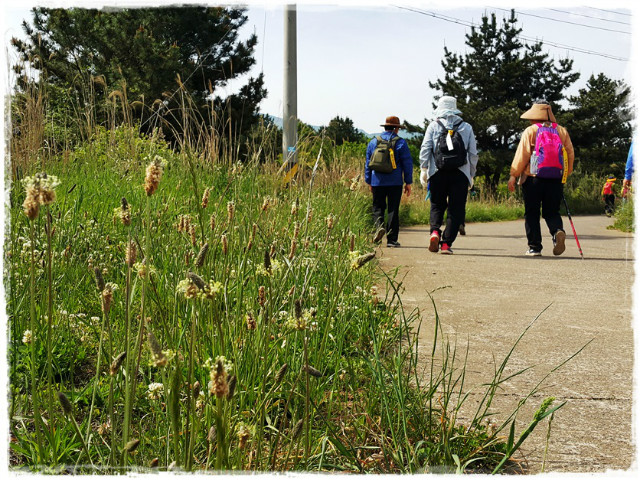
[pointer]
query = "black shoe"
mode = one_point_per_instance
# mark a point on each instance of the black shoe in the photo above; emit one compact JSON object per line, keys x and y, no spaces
{"x":392,"y":244}
{"x":461,"y":230}
{"x":533,"y":253}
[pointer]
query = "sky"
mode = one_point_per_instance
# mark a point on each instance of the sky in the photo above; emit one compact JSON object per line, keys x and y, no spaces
{"x":367,"y":61}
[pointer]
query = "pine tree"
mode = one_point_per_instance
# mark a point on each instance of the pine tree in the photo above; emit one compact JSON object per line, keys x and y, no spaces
{"x":599,"y":123}
{"x":153,"y":58}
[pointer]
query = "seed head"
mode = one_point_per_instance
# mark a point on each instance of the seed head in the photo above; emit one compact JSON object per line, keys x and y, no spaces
{"x":231,"y":208}
{"x":312,"y":371}
{"x":294,"y":207}
{"x":330,"y":221}
{"x":298,"y":308}
{"x":197,"y":280}
{"x":212,"y":222}
{"x":267,"y":261}
{"x":117,"y":363}
{"x":192,"y":234}
{"x":296,"y":230}
{"x":292,"y":250}
{"x":219,"y":385}
{"x":40,"y":190}
{"x":262,"y":297}
{"x":125,"y":212}
{"x":153,"y":175}
{"x":362,"y":260}
{"x":297,"y":429}
{"x":202,"y":255}
{"x":131,"y":255}
{"x":211,"y":437}
{"x":205,"y":197}
{"x":225,"y":243}
{"x":31,"y":205}
{"x":281,"y":373}
{"x":309,"y":214}
{"x":196,"y":390}
{"x":251,"y":322}
{"x":107,"y":298}
{"x":232,"y":386}
{"x":352,"y":243}
{"x":265,"y":204}
{"x":154,"y":463}
{"x":67,"y":408}
{"x":243,"y":436}
{"x":99,"y":278}
{"x":131,"y":445}
{"x":160,"y":359}
{"x":27,"y":337}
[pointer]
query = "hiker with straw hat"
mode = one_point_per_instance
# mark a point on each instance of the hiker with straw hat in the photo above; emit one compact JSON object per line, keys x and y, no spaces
{"x":541,"y":164}
{"x":387,"y":167}
{"x":448,"y":161}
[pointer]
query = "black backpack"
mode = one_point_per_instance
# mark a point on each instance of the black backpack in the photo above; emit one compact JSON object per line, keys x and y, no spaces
{"x":446,"y":158}
{"x":383,"y":158}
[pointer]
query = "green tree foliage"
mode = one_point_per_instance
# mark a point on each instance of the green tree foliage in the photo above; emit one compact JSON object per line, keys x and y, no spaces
{"x":342,"y":130}
{"x":162,"y":61}
{"x":599,"y":124}
{"x":494,"y":82}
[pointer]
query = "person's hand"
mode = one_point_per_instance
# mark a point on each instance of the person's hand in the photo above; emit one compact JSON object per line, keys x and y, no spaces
{"x":370,"y":188}
{"x":511,"y":185}
{"x":407,"y":189}
{"x":423,"y":177}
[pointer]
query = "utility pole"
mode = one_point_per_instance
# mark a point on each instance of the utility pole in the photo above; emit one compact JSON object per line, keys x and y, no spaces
{"x":290,"y":114}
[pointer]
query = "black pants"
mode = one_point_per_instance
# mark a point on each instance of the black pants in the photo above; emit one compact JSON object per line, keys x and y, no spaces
{"x":609,"y":204}
{"x":387,"y":199}
{"x":545,"y":193}
{"x":448,"y":193}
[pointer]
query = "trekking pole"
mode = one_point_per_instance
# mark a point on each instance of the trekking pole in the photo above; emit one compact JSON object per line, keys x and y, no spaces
{"x":572,"y":227}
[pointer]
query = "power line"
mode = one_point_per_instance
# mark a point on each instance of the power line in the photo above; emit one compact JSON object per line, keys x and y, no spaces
{"x":588,"y":16}
{"x":523,"y":37}
{"x":564,"y":21}
{"x":611,"y":11}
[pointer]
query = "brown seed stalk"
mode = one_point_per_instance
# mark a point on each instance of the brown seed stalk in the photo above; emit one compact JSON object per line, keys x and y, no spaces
{"x":202,"y":255}
{"x":117,"y":363}
{"x":67,"y":408}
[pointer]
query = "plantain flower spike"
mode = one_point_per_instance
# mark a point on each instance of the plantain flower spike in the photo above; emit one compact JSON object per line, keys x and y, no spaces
{"x":202,"y":255}
{"x":153,"y":175}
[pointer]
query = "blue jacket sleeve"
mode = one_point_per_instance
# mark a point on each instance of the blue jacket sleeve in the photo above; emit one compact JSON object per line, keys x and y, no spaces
{"x":404,"y":155}
{"x":367,"y":171}
{"x":628,"y":171}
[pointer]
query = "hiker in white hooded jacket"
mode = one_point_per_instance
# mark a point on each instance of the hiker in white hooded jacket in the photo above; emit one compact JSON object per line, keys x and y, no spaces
{"x":448,"y":186}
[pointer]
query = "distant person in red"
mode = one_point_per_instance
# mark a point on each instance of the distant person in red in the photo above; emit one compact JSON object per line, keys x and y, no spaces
{"x":609,"y":195}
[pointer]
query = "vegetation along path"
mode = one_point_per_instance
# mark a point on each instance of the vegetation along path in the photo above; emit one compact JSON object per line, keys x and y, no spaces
{"x":493,"y":292}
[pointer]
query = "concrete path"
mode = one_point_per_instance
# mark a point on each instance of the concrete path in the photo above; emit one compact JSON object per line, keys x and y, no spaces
{"x":494,"y":292}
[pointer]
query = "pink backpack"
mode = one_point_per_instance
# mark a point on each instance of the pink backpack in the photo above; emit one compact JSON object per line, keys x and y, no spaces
{"x":547,"y":160}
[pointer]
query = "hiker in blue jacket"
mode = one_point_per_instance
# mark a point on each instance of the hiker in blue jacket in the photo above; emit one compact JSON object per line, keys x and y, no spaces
{"x":628,"y":173}
{"x":449,"y":183}
{"x":387,"y":188}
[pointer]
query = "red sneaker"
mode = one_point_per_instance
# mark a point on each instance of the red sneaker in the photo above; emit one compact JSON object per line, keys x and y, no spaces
{"x":434,"y":241}
{"x":446,"y":249}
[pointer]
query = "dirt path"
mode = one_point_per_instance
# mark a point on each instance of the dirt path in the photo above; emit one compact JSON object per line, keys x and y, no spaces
{"x":495,"y":292}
